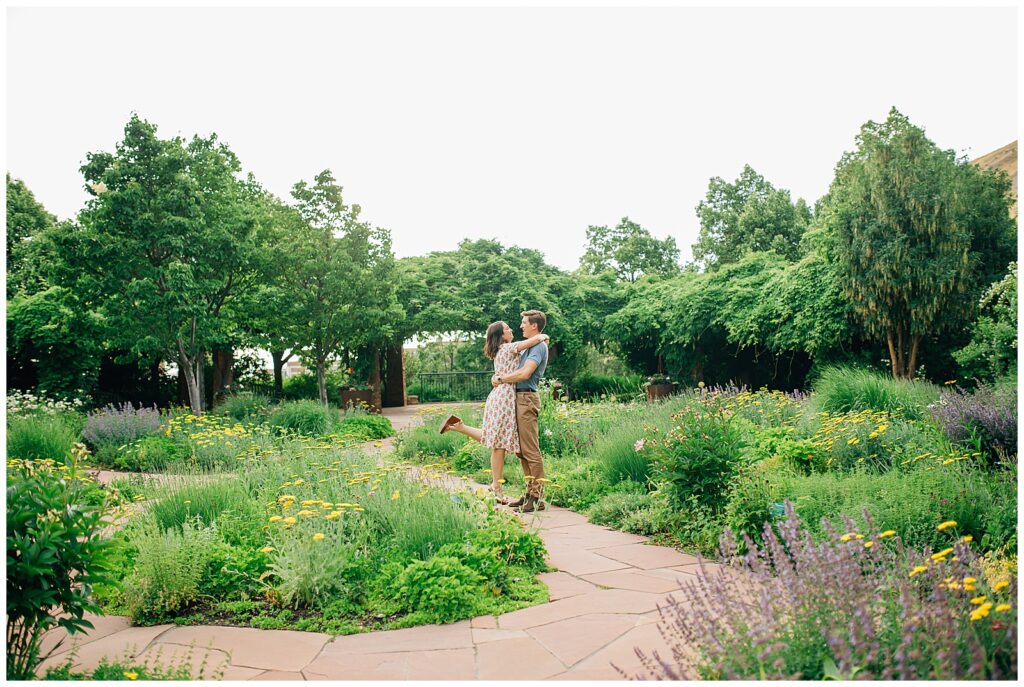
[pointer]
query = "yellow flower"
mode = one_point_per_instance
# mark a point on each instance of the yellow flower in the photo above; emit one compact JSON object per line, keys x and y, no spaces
{"x":946,"y":525}
{"x":275,"y":518}
{"x":978,"y":600}
{"x":853,"y":441}
{"x":941,"y":554}
{"x":310,"y":503}
{"x":396,"y":495}
{"x":970,"y":580}
{"x":131,"y":675}
{"x":1001,"y":584}
{"x":306,"y":513}
{"x":266,"y":549}
{"x":299,"y":482}
{"x":848,"y":536}
{"x":318,"y":537}
{"x":868,"y":544}
{"x":1003,"y":607}
{"x":290,"y":520}
{"x":887,"y":533}
{"x":967,"y":538}
{"x":980,"y":612}
{"x":918,"y":569}
{"x":332,"y":515}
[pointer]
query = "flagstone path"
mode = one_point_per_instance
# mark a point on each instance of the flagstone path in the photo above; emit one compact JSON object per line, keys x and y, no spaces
{"x":603,"y":604}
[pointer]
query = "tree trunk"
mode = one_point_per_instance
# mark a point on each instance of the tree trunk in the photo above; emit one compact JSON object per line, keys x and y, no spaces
{"x":892,"y":355}
{"x":279,"y":359}
{"x":375,"y":376}
{"x":200,"y":368}
{"x":185,"y":367}
{"x":915,"y":341}
{"x":223,"y":371}
{"x":321,"y":380}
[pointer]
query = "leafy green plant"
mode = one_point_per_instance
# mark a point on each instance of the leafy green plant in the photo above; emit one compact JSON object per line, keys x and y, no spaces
{"x":309,"y":418}
{"x":442,"y":588}
{"x":615,"y":508}
{"x":168,"y":567}
{"x":620,"y":452}
{"x":310,"y":561}
{"x":699,"y":457}
{"x":37,"y":436}
{"x":55,"y":555}
{"x":425,"y":441}
{"x":366,"y":427}
{"x":149,"y":454}
{"x":511,"y":542}
{"x":848,"y":389}
{"x":244,"y":405}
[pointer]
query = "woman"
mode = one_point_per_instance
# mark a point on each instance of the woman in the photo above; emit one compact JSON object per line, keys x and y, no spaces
{"x":499,"y":432}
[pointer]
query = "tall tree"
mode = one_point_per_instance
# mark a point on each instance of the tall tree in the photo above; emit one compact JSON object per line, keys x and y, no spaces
{"x":27,"y":223}
{"x":909,"y":225}
{"x":630,"y":251}
{"x":342,"y":279}
{"x":748,"y":215}
{"x":163,"y":246}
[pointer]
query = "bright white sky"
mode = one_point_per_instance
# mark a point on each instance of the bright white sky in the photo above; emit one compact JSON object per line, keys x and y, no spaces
{"x":524,"y":125}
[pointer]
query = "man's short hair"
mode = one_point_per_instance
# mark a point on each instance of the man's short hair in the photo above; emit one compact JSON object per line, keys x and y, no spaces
{"x":536,"y":317}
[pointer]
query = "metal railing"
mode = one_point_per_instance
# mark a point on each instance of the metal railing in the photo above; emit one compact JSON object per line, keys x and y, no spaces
{"x":452,"y":386}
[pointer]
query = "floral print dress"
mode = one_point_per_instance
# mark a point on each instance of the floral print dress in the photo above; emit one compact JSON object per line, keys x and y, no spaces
{"x":499,"y":428}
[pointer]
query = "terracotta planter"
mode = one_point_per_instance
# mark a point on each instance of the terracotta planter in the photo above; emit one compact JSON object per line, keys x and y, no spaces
{"x":656,"y":391}
{"x":351,"y":397}
{"x":412,"y":400}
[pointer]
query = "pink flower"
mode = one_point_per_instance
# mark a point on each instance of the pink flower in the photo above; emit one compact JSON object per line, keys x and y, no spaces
{"x":639,"y":445}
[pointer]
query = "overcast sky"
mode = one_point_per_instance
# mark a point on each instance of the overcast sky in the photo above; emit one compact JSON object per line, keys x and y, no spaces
{"x":524,"y":125}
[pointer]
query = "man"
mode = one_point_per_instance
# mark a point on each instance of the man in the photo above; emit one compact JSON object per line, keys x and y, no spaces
{"x":532,"y":363}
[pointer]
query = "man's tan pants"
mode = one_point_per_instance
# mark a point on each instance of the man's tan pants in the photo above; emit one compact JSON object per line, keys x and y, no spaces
{"x":527,"y":412}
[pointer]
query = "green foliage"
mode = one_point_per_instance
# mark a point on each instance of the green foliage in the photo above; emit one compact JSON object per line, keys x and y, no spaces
{"x":308,"y":568}
{"x":911,"y":230}
{"x":168,"y":568}
{"x":417,"y":524}
{"x":205,"y":500}
{"x":992,"y":352}
{"x":630,"y":251}
{"x":590,"y":385}
{"x":471,"y":457}
{"x":244,"y":406}
{"x":52,"y":333}
{"x":698,"y":458}
{"x":128,"y":668}
{"x":511,"y":543}
{"x":442,"y":588}
{"x":366,"y":427}
{"x":748,"y":215}
{"x":40,"y":436}
{"x":846,"y":389}
{"x":620,"y":455}
{"x":27,"y":222}
{"x":55,"y":555}
{"x":614,"y":509}
{"x":425,"y":441}
{"x":309,"y":418}
{"x":148,"y":454}
{"x":756,"y":491}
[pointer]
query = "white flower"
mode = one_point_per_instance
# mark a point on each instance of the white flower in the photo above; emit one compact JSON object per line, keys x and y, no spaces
{"x":548,"y":432}
{"x":639,"y":445}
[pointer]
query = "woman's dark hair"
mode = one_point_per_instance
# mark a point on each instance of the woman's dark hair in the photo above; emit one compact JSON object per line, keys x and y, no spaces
{"x":494,"y":338}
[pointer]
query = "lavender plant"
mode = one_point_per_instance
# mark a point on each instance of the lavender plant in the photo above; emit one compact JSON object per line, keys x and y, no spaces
{"x":984,"y":416}
{"x":118,"y":426}
{"x":853,"y":606}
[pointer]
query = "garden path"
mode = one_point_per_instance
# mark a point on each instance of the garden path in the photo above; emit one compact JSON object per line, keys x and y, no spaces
{"x":603,"y":604}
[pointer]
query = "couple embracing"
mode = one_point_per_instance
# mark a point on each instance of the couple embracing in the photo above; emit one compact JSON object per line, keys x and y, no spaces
{"x":513,"y":406}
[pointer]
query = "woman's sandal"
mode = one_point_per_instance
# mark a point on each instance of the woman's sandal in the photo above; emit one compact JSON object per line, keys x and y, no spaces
{"x":499,"y":497}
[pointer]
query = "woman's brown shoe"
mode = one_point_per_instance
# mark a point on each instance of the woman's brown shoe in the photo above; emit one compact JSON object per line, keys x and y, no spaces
{"x":452,"y":420}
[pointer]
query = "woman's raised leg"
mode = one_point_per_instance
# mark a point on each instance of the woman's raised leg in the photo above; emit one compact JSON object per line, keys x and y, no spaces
{"x":473,"y":433}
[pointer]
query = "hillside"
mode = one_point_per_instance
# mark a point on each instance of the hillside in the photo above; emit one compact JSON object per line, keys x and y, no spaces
{"x":1005,"y":159}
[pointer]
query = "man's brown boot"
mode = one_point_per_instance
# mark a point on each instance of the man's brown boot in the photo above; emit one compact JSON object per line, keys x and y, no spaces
{"x":531,"y":505}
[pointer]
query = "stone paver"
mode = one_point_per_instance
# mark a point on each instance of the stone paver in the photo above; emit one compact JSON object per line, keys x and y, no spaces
{"x":645,"y":556}
{"x":58,"y":641}
{"x":516,"y":659}
{"x":288,"y":650}
{"x":203,"y":661}
{"x":603,"y":604}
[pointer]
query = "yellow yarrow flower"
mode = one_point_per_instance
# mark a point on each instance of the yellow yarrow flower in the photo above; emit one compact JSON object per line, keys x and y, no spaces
{"x":918,"y":569}
{"x":1003,"y":607}
{"x":970,"y":580}
{"x":978,"y":600}
{"x":275,"y":518}
{"x":967,"y":538}
{"x":887,"y":533}
{"x":946,"y":525}
{"x":131,"y":675}
{"x":306,"y":513}
{"x":332,"y":515}
{"x":980,"y":612}
{"x":290,"y":520}
{"x":396,"y":495}
{"x":941,"y":554}
{"x":868,"y":544}
{"x":266,"y":549}
{"x":1001,"y":584}
{"x":318,"y":536}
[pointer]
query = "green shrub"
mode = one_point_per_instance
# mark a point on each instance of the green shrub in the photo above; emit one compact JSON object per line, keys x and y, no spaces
{"x":471,"y":457}
{"x":580,"y":483}
{"x":300,"y":387}
{"x":620,"y":453}
{"x":34,"y":437}
{"x":55,"y":554}
{"x":442,"y":589}
{"x":591,"y":385}
{"x":876,"y":440}
{"x":366,"y":427}
{"x":481,"y":559}
{"x":699,"y":457}
{"x":311,"y":569}
{"x":425,"y":441}
{"x":203,"y":501}
{"x":308,"y":418}
{"x":149,"y":454}
{"x":511,"y":543}
{"x":755,"y":491}
{"x":244,"y":405}
{"x":846,"y":389}
{"x":615,"y":508}
{"x":168,"y":568}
